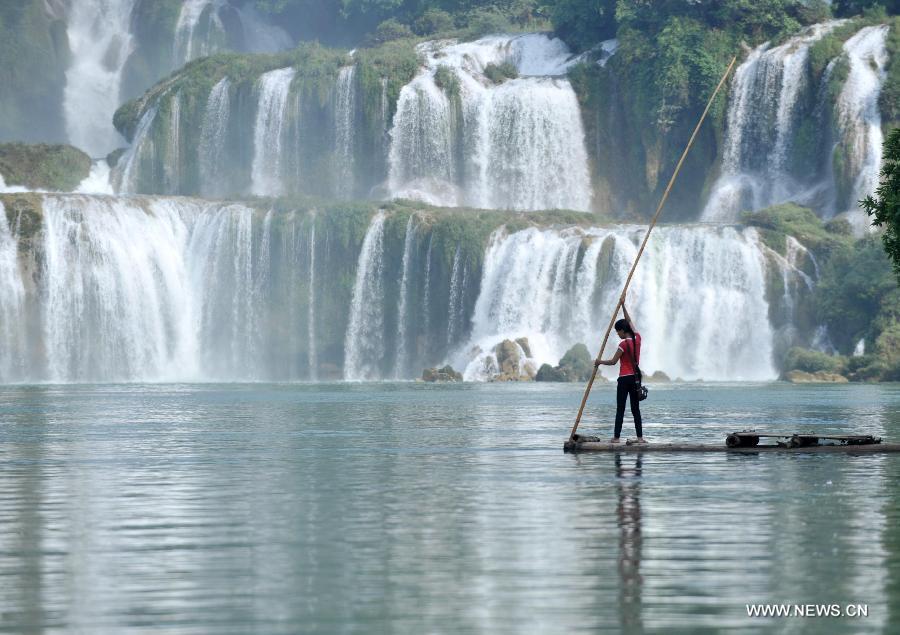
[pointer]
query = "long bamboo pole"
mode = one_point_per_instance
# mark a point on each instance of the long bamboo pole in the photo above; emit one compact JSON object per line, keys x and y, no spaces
{"x":662,"y":202}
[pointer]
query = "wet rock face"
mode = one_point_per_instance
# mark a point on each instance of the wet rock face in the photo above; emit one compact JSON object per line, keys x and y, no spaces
{"x":512,"y":361}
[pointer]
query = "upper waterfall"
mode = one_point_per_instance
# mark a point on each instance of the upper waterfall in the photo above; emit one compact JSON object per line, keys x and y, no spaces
{"x":516,"y":145}
{"x":859,"y":120}
{"x":762,"y":114}
{"x":201,"y":30}
{"x":101,"y":41}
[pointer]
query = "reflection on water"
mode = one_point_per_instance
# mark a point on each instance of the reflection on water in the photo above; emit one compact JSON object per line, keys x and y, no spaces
{"x":413,"y":508}
{"x":628,"y":511}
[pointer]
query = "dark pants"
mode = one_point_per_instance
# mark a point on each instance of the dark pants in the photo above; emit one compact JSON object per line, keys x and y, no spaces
{"x":627,"y":387}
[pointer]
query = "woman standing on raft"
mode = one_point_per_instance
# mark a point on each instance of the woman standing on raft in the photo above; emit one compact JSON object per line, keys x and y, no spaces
{"x":629,"y":352}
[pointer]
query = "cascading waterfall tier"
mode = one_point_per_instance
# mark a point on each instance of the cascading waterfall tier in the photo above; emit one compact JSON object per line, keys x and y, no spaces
{"x":100,"y":41}
{"x":101,"y":288}
{"x":459,"y":139}
{"x":765,"y":105}
{"x":132,"y":289}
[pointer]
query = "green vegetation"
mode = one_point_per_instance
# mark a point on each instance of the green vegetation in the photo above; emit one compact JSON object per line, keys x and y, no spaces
{"x":789,"y":219}
{"x":813,"y":361}
{"x":374,"y":22}
{"x":24,"y":212}
{"x":447,"y":80}
{"x":889,"y":100}
{"x":499,"y":73}
{"x":884,"y":207}
{"x":43,"y":167}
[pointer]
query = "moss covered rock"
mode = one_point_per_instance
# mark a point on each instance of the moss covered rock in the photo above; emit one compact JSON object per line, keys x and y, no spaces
{"x":802,"y":377}
{"x":43,"y":167}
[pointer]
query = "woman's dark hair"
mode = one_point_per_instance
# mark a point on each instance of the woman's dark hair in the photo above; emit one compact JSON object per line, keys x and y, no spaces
{"x":623,"y":325}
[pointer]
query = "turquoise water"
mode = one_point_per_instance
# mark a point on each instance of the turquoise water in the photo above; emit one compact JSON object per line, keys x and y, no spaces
{"x":411,"y":508}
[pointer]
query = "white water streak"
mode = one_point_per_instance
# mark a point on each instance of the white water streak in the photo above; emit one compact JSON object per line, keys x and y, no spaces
{"x":273,"y":88}
{"x":344,"y":110}
{"x":364,"y":343}
{"x":311,"y":316}
{"x":213,"y":135}
{"x":12,"y":299}
{"x":402,"y":363}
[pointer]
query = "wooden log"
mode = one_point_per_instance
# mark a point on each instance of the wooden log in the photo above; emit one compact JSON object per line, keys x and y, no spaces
{"x":604,"y":446}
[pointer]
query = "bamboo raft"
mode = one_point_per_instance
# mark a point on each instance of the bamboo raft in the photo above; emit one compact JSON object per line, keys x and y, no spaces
{"x":745,"y":442}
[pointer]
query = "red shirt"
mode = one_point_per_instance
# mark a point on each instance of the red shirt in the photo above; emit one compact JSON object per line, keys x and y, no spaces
{"x":631,"y":349}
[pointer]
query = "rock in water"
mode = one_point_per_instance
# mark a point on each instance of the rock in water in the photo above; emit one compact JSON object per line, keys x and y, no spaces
{"x":658,"y":377}
{"x":548,"y":373}
{"x":525,"y":345}
{"x":819,"y":377}
{"x":512,"y":361}
{"x":441,"y":374}
{"x":575,"y":366}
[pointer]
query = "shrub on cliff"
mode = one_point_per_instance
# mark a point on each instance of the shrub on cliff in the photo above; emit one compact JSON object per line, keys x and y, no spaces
{"x":810,"y":361}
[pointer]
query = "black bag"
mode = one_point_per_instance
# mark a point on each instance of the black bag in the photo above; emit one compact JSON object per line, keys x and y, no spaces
{"x":639,"y":389}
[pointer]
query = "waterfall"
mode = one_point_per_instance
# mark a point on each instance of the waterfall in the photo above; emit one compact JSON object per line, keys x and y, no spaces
{"x":344,"y":125}
{"x":113,"y":306}
{"x":12,"y":294}
{"x":106,"y":288}
{"x":516,"y":145}
{"x":258,"y":35}
{"x":200,"y":31}
{"x":402,"y":363}
{"x":273,"y":88}
{"x":172,"y":165}
{"x":426,"y":293}
{"x":364,"y":344}
{"x":212,"y":140}
{"x":762,"y":114}
{"x":311,"y":315}
{"x":126,"y":178}
{"x":859,"y":119}
{"x":139,"y":289}
{"x":186,"y":48}
{"x":420,"y":155}
{"x":100,"y":43}
{"x":699,"y":298}
{"x":98,"y":180}
{"x":455,"y":304}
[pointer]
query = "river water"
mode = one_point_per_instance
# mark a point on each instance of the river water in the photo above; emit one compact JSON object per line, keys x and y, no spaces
{"x":412,"y":508}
